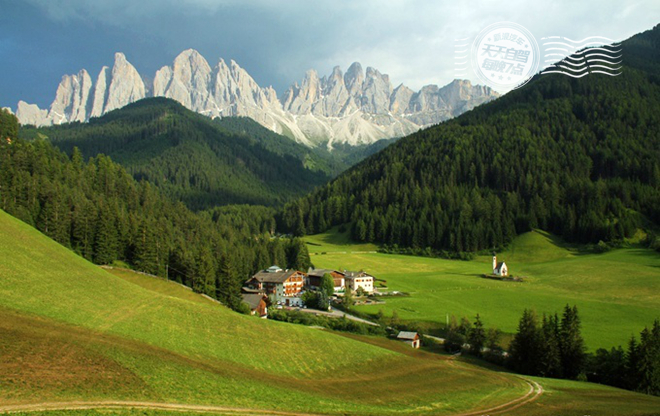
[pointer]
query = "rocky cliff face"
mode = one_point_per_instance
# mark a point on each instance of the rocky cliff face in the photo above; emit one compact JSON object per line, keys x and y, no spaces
{"x":78,"y":99}
{"x":357,"y":107}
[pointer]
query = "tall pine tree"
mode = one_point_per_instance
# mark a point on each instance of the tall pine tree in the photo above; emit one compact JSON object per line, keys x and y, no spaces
{"x":571,"y":344}
{"x":477,"y":337}
{"x":526,"y":348}
{"x":550,"y":359}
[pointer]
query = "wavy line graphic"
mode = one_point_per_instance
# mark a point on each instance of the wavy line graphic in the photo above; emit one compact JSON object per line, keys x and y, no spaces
{"x":579,"y":41}
{"x":565,"y":73}
{"x":461,"y":46}
{"x":575,"y":58}
{"x":606,"y":61}
{"x":590,"y":56}
{"x":574,"y":49}
{"x":586,"y":56}
{"x":596,"y":50}
{"x":606,"y":67}
{"x":579,"y":65}
{"x":580,"y":70}
{"x":606,"y":73}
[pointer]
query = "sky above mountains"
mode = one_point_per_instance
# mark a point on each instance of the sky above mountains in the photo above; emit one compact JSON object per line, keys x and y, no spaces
{"x":276,"y":41}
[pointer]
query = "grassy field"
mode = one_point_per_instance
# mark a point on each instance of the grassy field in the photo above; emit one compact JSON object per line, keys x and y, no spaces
{"x":565,"y":397}
{"x":72,"y":331}
{"x":160,"y":285}
{"x":617,"y":293}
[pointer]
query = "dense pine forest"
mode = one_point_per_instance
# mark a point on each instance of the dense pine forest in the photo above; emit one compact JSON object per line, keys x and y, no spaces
{"x":576,"y":157}
{"x":194,"y":159}
{"x":102,"y":213}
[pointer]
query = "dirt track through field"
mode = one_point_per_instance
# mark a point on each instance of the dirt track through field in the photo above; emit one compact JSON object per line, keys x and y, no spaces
{"x":534,"y":392}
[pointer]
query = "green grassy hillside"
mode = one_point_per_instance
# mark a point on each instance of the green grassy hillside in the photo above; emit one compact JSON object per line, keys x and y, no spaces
{"x":617,"y":293}
{"x":335,"y":241}
{"x":72,"y":331}
{"x":160,"y":285}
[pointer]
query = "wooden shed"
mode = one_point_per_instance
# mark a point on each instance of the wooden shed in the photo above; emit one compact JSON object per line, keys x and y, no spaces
{"x":410,"y":338}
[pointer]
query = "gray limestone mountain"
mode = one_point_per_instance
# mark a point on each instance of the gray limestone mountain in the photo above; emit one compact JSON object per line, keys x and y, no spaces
{"x":78,"y":99}
{"x":354,"y":108}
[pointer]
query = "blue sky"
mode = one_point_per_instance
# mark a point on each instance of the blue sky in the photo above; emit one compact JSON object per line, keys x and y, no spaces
{"x":276,"y":41}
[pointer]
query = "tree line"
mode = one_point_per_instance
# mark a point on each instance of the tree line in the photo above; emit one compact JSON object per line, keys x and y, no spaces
{"x":102,"y":213}
{"x":552,"y":346}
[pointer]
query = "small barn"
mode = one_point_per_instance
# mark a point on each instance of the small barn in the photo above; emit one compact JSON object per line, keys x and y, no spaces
{"x":410,"y":338}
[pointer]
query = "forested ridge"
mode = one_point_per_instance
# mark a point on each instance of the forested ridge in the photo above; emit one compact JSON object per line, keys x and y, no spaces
{"x":102,"y":213}
{"x":194,"y":159}
{"x":576,"y":157}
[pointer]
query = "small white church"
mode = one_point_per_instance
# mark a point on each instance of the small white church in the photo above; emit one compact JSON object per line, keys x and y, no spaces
{"x":499,"y":269}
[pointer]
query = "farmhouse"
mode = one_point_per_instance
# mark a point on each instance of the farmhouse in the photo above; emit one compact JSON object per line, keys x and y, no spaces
{"x":410,"y":338}
{"x":499,"y":269}
{"x":258,"y":303}
{"x":356,"y":280}
{"x":278,"y":283}
{"x":314,"y":277}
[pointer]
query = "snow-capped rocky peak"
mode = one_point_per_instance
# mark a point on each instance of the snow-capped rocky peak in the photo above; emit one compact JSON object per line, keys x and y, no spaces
{"x":355,"y":107}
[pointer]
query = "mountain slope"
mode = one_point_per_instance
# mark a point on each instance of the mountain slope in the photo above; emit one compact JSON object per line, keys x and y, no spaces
{"x":152,"y":346}
{"x":193,"y":158}
{"x":315,"y":159}
{"x":578,"y":157}
{"x":357,"y":108}
{"x":98,"y":210}
{"x":335,"y":161}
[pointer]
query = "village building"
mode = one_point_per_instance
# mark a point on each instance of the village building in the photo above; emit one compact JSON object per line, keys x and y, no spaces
{"x":278,"y":283}
{"x":258,"y":303}
{"x":356,"y":280}
{"x":410,"y":338}
{"x":314,"y":277}
{"x":499,"y":269}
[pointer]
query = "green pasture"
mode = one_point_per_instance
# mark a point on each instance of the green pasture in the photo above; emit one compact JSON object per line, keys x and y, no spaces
{"x":617,"y":293}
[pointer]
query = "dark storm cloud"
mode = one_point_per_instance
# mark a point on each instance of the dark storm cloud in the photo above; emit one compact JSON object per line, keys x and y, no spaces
{"x":276,"y":41}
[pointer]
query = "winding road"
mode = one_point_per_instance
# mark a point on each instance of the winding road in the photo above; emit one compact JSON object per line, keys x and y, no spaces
{"x":534,"y":392}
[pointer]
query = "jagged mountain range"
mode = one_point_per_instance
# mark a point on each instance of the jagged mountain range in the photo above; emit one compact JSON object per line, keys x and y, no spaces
{"x":354,"y":108}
